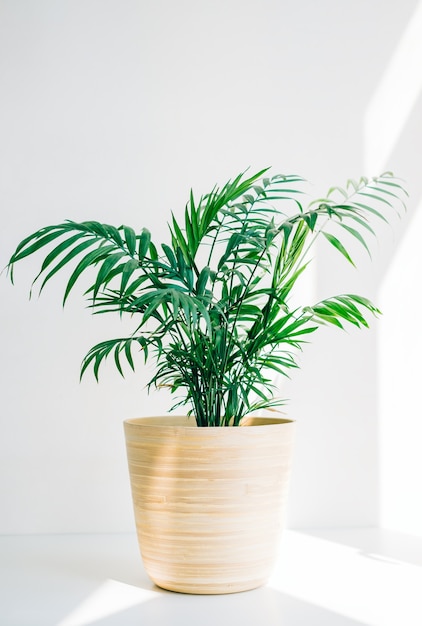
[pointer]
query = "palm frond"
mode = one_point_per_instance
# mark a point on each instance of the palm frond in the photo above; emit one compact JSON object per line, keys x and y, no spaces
{"x":218,"y":331}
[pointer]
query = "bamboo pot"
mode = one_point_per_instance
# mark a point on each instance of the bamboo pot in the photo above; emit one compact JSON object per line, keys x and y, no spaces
{"x":208,"y":501}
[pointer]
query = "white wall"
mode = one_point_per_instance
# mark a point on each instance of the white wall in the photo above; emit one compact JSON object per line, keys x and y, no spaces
{"x":112,"y":110}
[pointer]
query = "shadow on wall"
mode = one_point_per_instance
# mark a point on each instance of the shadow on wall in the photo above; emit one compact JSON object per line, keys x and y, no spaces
{"x":393,"y":129}
{"x":372,"y":378}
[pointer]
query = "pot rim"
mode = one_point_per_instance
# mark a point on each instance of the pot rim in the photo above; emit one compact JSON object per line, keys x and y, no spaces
{"x":180,"y":422}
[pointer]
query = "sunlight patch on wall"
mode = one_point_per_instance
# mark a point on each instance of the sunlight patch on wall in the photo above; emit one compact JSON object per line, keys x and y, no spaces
{"x":399,"y":338}
{"x":395,"y":96}
{"x":400,"y":349}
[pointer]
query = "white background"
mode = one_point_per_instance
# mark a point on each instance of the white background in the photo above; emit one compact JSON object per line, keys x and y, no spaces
{"x":111,"y":110}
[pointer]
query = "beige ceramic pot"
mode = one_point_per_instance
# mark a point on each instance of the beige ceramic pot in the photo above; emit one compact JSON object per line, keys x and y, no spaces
{"x":208,"y":501}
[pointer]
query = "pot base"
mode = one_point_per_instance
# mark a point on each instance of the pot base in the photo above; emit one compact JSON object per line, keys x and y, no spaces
{"x":207,"y":589}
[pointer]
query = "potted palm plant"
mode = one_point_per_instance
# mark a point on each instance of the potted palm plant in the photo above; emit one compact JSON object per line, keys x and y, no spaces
{"x":213,"y":308}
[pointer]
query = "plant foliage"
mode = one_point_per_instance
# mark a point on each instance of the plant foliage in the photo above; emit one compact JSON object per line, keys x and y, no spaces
{"x":213,"y":304}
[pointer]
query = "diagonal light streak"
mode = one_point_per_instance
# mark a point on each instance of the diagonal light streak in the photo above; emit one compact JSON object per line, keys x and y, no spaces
{"x":395,"y":97}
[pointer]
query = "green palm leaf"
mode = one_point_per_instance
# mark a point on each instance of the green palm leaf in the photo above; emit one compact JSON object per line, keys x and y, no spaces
{"x":212,"y":306}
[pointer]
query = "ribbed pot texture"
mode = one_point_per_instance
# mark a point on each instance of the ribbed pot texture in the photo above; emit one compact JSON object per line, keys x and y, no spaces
{"x":208,"y":501}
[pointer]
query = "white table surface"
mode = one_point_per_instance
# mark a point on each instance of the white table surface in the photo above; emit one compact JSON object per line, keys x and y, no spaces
{"x":344,"y":577}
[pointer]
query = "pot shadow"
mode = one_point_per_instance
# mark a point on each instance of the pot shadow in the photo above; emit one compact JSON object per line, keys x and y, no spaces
{"x":384,"y":545}
{"x":261,"y":606}
{"x":72,"y":569}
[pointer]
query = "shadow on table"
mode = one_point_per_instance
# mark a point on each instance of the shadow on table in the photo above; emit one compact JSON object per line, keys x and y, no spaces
{"x":374,"y":543}
{"x":264,"y":606}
